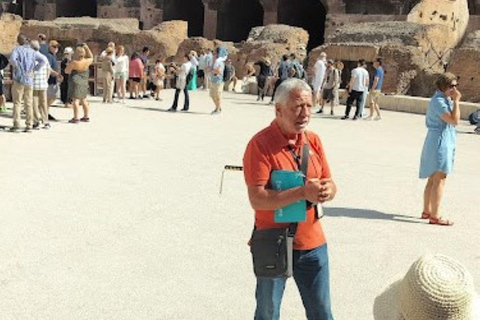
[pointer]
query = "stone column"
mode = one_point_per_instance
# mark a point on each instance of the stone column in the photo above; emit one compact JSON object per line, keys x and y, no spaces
{"x":210,"y":23}
{"x":50,"y":11}
{"x":270,"y":17}
{"x":270,"y":8}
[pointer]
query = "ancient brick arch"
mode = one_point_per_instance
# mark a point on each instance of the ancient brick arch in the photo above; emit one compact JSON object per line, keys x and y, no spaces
{"x":307,"y":14}
{"x":379,"y":6}
{"x":79,"y":8}
{"x":237,"y":18}
{"x":187,"y":10}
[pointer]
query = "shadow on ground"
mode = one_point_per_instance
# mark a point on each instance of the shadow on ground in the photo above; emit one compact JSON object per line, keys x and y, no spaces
{"x":166,"y":110}
{"x":466,"y":132}
{"x":368,"y":214}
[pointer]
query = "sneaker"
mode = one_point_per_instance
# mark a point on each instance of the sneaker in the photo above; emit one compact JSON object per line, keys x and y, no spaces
{"x":36,"y":126}
{"x":215,"y":112}
{"x":320,"y":111}
{"x":477,"y":130}
{"x":345,"y":117}
{"x":368,"y":118}
{"x":47,"y":126}
{"x":355,"y":118}
{"x":184,"y":110}
{"x":27,"y":129}
{"x":172,"y":109}
{"x":14,"y":129}
{"x":377,"y":118}
{"x":146,"y":96}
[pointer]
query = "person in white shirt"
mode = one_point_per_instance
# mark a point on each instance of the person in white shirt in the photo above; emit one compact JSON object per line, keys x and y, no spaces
{"x":121,"y":73}
{"x":159,"y":78}
{"x":358,"y":84}
{"x":104,"y":52}
{"x":183,"y":77}
{"x":319,"y":70}
{"x":202,"y":65}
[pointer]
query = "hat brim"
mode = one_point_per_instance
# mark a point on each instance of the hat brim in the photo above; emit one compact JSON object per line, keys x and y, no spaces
{"x":385,"y":306}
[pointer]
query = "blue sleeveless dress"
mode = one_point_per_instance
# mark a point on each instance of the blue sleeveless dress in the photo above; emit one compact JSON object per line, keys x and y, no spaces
{"x":438,"y":152}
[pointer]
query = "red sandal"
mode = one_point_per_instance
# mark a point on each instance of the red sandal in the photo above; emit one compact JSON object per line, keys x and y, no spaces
{"x":425,"y":215}
{"x":441,"y":222}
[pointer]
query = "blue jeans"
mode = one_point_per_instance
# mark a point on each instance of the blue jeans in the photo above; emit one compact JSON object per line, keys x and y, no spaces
{"x":311,"y":274}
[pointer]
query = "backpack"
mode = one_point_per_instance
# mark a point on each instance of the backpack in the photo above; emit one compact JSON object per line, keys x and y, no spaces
{"x":3,"y":62}
{"x":474,"y":118}
{"x":297,"y":70}
{"x":190,"y":75}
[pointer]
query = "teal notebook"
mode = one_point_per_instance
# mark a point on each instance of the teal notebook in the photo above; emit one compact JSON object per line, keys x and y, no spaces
{"x":283,"y":180}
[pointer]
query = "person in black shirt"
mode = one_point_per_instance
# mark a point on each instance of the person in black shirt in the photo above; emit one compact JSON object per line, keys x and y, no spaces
{"x":67,"y":57}
{"x":262,"y":77}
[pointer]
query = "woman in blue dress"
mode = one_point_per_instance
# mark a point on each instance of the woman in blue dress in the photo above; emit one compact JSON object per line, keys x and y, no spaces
{"x":438,"y":152}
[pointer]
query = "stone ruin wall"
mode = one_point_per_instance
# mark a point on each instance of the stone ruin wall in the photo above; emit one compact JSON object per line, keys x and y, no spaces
{"x":339,"y":13}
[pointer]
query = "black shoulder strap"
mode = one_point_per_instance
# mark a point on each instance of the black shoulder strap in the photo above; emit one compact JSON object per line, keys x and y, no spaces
{"x":304,"y":169}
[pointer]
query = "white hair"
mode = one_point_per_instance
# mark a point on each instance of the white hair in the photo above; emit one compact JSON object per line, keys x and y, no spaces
{"x":35,"y":45}
{"x":285,"y":89}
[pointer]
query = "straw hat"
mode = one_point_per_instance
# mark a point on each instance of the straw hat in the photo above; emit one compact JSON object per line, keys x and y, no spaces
{"x":435,"y":288}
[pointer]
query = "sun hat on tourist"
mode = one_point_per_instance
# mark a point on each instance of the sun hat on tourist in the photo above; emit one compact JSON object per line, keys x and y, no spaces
{"x":68,"y":50}
{"x":54,"y":43}
{"x":436,"y":287}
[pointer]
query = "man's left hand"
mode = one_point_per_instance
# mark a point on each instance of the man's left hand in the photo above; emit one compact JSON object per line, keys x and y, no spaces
{"x":327,"y":191}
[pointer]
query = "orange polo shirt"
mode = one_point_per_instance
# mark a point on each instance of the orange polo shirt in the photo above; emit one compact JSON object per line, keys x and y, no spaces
{"x":269,"y":150}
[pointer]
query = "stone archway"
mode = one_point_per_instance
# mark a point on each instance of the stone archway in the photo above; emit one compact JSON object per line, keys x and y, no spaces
{"x":79,"y":8}
{"x":191,"y":11}
{"x":379,"y":6}
{"x":236,"y":18}
{"x":307,"y":14}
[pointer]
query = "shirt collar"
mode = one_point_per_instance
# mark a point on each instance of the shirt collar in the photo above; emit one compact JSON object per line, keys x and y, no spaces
{"x":441,"y":94}
{"x":282,"y":141}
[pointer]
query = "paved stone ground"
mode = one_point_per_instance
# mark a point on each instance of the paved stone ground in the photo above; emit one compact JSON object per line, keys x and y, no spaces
{"x":121,"y":218}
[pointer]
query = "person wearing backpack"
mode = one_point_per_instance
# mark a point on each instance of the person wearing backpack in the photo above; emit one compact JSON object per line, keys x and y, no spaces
{"x":297,"y":70}
{"x":283,"y":70}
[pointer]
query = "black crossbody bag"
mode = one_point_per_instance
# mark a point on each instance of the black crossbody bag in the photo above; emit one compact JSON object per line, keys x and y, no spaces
{"x":272,"y":249}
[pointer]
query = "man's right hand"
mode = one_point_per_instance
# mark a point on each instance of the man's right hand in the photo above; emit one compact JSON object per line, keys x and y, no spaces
{"x":456,"y":95}
{"x":311,"y":190}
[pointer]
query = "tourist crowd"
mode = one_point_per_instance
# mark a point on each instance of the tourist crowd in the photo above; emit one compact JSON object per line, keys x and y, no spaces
{"x":38,"y":79}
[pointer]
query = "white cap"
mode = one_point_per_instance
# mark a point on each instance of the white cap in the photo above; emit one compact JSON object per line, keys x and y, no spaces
{"x":68,"y":50}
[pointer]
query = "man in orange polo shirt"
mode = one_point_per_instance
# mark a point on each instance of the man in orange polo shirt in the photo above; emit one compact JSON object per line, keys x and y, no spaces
{"x":269,"y":150}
